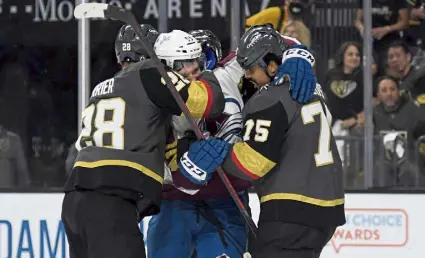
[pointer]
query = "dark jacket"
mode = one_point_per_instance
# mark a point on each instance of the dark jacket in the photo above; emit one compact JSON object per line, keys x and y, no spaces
{"x":405,"y":116}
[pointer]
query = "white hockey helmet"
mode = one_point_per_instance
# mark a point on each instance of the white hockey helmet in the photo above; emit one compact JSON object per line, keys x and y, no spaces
{"x":177,"y":45}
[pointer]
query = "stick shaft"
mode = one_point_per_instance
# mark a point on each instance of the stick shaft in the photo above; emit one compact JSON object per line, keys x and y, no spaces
{"x":117,"y":13}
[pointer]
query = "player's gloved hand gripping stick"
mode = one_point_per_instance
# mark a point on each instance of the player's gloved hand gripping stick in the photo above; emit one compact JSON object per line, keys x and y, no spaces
{"x":98,"y":10}
{"x":202,"y":159}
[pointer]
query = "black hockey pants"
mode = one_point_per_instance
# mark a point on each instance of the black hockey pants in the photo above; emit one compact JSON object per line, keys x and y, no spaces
{"x":101,"y":226}
{"x":288,"y":240}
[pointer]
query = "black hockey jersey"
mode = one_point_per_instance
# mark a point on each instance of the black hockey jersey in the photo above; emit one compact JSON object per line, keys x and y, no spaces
{"x":122,"y":142}
{"x":288,"y":150}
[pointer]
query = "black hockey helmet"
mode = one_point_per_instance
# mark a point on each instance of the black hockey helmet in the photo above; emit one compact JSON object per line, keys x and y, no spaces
{"x":208,"y":39}
{"x":128,"y":47}
{"x":256,"y":43}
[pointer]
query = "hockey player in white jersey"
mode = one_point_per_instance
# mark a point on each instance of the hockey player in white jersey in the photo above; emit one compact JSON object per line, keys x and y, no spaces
{"x":193,"y":216}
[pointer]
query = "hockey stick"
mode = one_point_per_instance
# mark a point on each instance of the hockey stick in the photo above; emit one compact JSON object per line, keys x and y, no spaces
{"x":98,"y":10}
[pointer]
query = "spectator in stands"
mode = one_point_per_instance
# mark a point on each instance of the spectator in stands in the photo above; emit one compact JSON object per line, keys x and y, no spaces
{"x":13,"y":165}
{"x":415,"y":32}
{"x":297,"y":29}
{"x":344,"y":95}
{"x":14,"y":110}
{"x":412,"y":78}
{"x":344,"y":86}
{"x":388,"y":19}
{"x":48,"y":157}
{"x":279,"y":16}
{"x":397,"y":112}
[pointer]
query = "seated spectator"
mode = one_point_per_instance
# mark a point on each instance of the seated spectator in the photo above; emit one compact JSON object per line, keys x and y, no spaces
{"x":415,"y":32}
{"x":418,"y":56}
{"x":388,"y":19}
{"x":344,"y":87}
{"x":13,"y":165}
{"x":298,"y":30}
{"x":279,"y":16}
{"x":48,"y":157}
{"x":397,"y":112}
{"x":344,"y":96}
{"x":14,"y":79}
{"x":412,"y":78}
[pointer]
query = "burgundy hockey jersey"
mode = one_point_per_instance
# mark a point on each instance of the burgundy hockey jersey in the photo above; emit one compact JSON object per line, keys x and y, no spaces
{"x":227,"y":126}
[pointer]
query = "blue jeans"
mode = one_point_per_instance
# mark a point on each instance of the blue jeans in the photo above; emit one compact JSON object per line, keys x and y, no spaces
{"x":213,"y":226}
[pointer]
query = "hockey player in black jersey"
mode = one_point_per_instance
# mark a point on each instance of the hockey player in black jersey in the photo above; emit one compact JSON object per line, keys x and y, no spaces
{"x":288,"y":151}
{"x":118,"y":174}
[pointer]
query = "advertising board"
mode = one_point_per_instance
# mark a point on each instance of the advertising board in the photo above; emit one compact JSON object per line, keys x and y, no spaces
{"x":378,"y":226}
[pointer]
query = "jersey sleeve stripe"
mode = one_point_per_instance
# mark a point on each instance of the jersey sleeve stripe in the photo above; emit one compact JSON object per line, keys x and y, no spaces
{"x":199,"y":100}
{"x":421,"y":99}
{"x":302,"y":198}
{"x":242,"y":168}
{"x":121,"y":163}
{"x":210,"y":98}
{"x":171,"y":153}
{"x":172,"y":165}
{"x":251,"y":162}
{"x":234,"y":101}
{"x":172,"y":145}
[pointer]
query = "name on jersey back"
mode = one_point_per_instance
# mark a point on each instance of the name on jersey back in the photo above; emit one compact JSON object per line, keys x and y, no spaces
{"x":105,"y":87}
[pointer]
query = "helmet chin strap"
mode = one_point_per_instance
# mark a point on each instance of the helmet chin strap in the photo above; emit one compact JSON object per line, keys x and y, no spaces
{"x":271,"y":77}
{"x":264,"y":67}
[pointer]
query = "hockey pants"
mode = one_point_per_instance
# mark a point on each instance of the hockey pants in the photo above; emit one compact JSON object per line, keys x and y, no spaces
{"x":282,"y":239}
{"x":101,"y":226}
{"x":213,"y":227}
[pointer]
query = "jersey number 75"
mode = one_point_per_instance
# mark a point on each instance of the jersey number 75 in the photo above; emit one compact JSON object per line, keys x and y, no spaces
{"x":324,"y":155}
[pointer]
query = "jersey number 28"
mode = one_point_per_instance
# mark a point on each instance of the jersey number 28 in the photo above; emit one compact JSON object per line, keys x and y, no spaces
{"x":324,"y":155}
{"x":95,"y":125}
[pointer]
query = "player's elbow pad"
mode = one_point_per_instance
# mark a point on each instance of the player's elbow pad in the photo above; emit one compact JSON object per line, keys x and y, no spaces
{"x":231,"y":128}
{"x":215,"y":94}
{"x":219,"y":105}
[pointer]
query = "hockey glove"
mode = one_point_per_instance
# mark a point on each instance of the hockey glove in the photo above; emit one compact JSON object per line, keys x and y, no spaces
{"x":202,"y":159}
{"x":297,"y":66}
{"x":177,"y":79}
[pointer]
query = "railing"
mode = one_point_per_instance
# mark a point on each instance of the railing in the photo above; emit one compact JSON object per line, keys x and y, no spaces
{"x":419,"y":159}
{"x":390,"y":170}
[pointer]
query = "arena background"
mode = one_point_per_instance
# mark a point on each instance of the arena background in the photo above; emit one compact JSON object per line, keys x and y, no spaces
{"x":40,"y":103}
